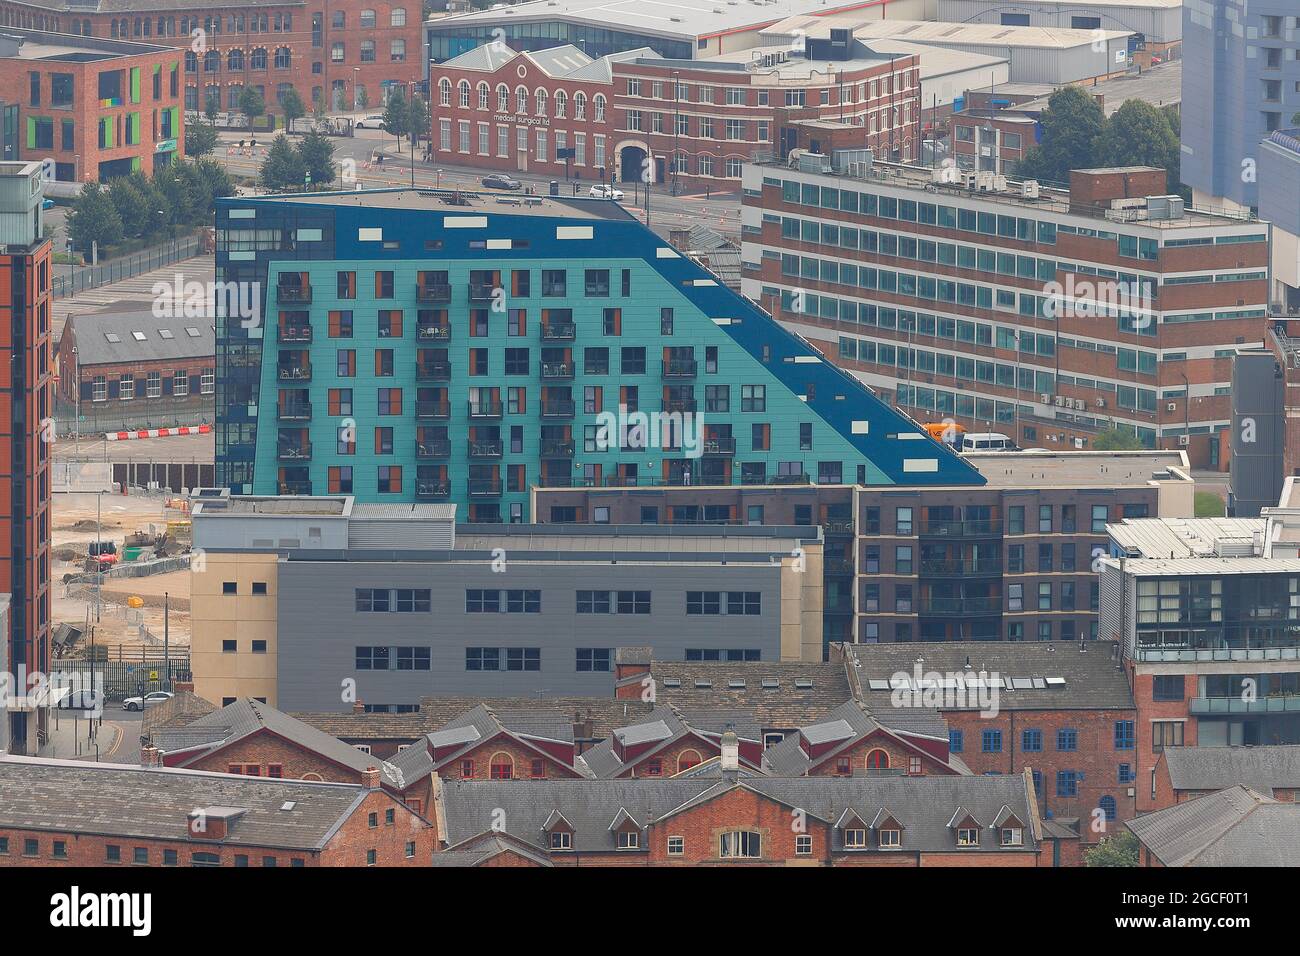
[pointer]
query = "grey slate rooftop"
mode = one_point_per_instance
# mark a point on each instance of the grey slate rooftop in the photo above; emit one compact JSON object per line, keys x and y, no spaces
{"x":66,"y":796}
{"x":1262,"y":769}
{"x":779,"y":695}
{"x":1234,"y":827}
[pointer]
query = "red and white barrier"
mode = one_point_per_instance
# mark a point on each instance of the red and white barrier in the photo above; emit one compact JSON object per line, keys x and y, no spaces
{"x":159,"y":432}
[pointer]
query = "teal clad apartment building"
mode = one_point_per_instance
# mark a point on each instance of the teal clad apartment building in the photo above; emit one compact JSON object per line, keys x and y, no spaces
{"x":416,"y":345}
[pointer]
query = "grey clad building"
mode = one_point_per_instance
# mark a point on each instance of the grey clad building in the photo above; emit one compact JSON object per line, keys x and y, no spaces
{"x":324,"y":603}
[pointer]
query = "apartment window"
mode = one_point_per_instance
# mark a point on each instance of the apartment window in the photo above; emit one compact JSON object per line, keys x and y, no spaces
{"x":1100,"y":514}
{"x":593,"y":659}
{"x":803,"y":845}
{"x":753,"y":398}
{"x":633,"y":602}
{"x":1167,"y":687}
{"x":676,"y":846}
{"x":1031,"y":741}
{"x":1067,"y":783}
{"x":903,"y":521}
{"x":991,"y":742}
{"x":1067,"y":739}
{"x":1166,"y":733}
{"x":740,"y":844}
{"x":1124,"y":735}
{"x":629,"y":839}
{"x":482,"y":659}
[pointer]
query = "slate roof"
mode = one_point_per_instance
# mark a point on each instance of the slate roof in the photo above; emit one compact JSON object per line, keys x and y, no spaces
{"x":845,"y":726}
{"x":663,"y":727}
{"x":67,"y":796}
{"x":923,"y":805}
{"x":183,"y":708}
{"x":782,"y":707}
{"x":1092,"y":678}
{"x":478,"y":850}
{"x":1262,"y":769}
{"x":1233,"y":827}
{"x":91,"y":330}
{"x":247,"y":716}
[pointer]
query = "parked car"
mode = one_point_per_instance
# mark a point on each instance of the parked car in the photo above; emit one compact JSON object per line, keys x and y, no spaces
{"x":501,"y":182}
{"x":148,"y":700}
{"x":605,"y":191}
{"x":370,"y":122}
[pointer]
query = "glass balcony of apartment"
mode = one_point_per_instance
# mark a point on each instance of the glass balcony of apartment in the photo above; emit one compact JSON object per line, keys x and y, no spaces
{"x":724,"y":446}
{"x":838,"y":527}
{"x":960,"y":568}
{"x":555,"y":481}
{"x":433,"y":330}
{"x":485,"y":488}
{"x":680,"y":405}
{"x":485,"y":448}
{"x":293,"y":451}
{"x":1273,"y":704}
{"x":485,"y":408}
{"x":293,"y":332}
{"x":432,"y":292}
{"x":433,"y":370}
{"x":558,"y":408}
{"x":803,"y":478}
{"x":432,"y":409}
{"x":432,"y":489}
{"x":557,"y":330}
{"x":837,"y":565}
{"x":680,"y":368}
{"x":294,"y":412}
{"x":959,"y":607}
{"x":960,"y":529}
{"x":292,"y":293}
{"x":293,"y":487}
{"x":481,"y":291}
{"x":433,"y":448}
{"x":557,"y":448}
{"x":294,"y":371}
{"x":557,"y":371}
{"x":1223,"y":642}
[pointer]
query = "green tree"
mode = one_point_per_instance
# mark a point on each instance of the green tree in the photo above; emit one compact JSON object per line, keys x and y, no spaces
{"x":1070,"y":126}
{"x":132,"y":207}
{"x":317,"y":155}
{"x":419,"y":121}
{"x":292,"y":106}
{"x":1116,"y":439}
{"x":211,"y":107}
{"x":154,"y":200}
{"x":1118,"y":849}
{"x":180,"y":200}
{"x":283,"y":167}
{"x":200,"y":139}
{"x":1139,"y":134}
{"x":211,"y":182}
{"x":363,"y":98}
{"x":397,"y":116}
{"x":251,"y":103}
{"x":93,"y":219}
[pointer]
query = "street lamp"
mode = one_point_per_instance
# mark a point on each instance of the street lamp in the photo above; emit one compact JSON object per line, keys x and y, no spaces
{"x":76,"y":391}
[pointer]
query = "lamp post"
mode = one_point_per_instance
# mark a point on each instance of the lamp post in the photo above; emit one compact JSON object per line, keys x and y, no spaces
{"x":76,"y":391}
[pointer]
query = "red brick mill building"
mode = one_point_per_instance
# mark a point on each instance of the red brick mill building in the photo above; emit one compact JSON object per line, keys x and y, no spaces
{"x":558,"y":112}
{"x":328,"y":51}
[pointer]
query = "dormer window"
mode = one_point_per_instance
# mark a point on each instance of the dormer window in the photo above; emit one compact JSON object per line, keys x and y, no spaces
{"x":740,"y":845}
{"x":561,"y":840}
{"x":968,"y":836}
{"x":654,"y":768}
{"x":629,"y":840}
{"x":891,"y":839}
{"x":1013,"y":836}
{"x":855,"y":839}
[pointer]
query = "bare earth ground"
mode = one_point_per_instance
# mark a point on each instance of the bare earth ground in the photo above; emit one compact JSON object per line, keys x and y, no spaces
{"x":120,"y":515}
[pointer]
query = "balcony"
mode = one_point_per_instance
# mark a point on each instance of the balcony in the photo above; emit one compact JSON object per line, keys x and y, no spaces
{"x":298,"y":451}
{"x":489,"y":448}
{"x":294,"y":412}
{"x":559,"y":331}
{"x":680,"y":405}
{"x":432,"y":490}
{"x":557,"y":448}
{"x":557,"y":371}
{"x":485,"y":408}
{"x":294,"y":373}
{"x":960,"y":529}
{"x":293,"y":488}
{"x":1281,"y":704}
{"x":720,"y":446}
{"x":1226,"y":643}
{"x":288,"y":294}
{"x":680,"y":368}
{"x":837,"y":566}
{"x":480,"y":292}
{"x":555,"y":481}
{"x":960,"y":607}
{"x":558,"y":408}
{"x":430,"y":409}
{"x":838,"y":527}
{"x":297,"y":334}
{"x":434,"y":371}
{"x":842,"y":604}
{"x":432,"y":332}
{"x":432,"y":293}
{"x":803,"y":479}
{"x":485,"y":488}
{"x":436,"y":448}
{"x":961,"y":568}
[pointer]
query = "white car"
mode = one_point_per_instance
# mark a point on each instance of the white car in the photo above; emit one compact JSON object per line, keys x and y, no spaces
{"x":370,"y":122}
{"x":606,"y":192}
{"x":148,"y":700}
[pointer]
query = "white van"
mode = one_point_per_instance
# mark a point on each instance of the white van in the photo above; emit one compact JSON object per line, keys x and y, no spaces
{"x":986,"y":441}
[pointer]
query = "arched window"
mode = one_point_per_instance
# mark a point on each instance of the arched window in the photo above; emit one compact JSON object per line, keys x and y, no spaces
{"x":233,"y":93}
{"x":311,"y":776}
{"x":598,"y":104}
{"x":235,"y":59}
{"x":877,"y":760}
{"x":444,"y":92}
{"x":398,"y":17}
{"x":483,"y":93}
{"x":579,"y":105}
{"x":191,"y":62}
{"x":503,"y":98}
{"x":541,"y":101}
{"x":282,"y":58}
{"x":687,"y":759}
{"x":1107,"y":805}
{"x":211,"y":62}
{"x":502,"y":767}
{"x":521,"y":99}
{"x":561,"y":103}
{"x":258,"y":59}
{"x":462,"y":89}
{"x":368,"y":18}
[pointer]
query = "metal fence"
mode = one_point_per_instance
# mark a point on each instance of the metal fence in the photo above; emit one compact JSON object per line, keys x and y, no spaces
{"x":70,"y":280}
{"x":130,"y":671}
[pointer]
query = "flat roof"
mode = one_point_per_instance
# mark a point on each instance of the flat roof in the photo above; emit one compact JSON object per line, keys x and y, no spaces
{"x":455,"y":202}
{"x":1078,"y":469}
{"x":1183,"y":537}
{"x":1182,"y":567}
{"x":1160,"y":86}
{"x":71,"y":47}
{"x":867,"y":25}
{"x":669,"y":18}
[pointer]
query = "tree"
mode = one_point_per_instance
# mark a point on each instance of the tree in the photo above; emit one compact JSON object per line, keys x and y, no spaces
{"x":154,"y":200}
{"x":93,"y":219}
{"x":1118,"y":849}
{"x":211,"y":107}
{"x":317,"y":155}
{"x":211,"y":182}
{"x":397,"y":116}
{"x":292,"y":106}
{"x":132,"y":207}
{"x":419,"y":122}
{"x":1116,"y":439}
{"x":251,"y":103}
{"x":283,"y":167}
{"x":200,"y":139}
{"x":1070,"y":126}
{"x":1139,"y":134}
{"x":363,"y":98}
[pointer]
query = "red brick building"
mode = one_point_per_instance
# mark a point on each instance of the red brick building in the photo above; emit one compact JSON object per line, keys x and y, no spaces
{"x":26,"y":434}
{"x":634,"y":115}
{"x":94,"y":108}
{"x":328,"y":52}
{"x":1185,"y":773}
{"x":164,"y":817}
{"x":665,"y":743}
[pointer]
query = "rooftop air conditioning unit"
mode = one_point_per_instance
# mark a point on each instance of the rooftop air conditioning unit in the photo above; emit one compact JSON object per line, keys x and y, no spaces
{"x":1029,"y":189}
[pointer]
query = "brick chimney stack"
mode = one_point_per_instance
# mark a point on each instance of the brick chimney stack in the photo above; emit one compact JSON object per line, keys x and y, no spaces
{"x":150,"y":756}
{"x":183,"y":686}
{"x":370,"y":778}
{"x":358,"y":708}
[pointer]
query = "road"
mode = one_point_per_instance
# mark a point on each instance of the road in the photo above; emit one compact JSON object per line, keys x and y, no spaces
{"x":720,"y":211}
{"x":179,"y":449}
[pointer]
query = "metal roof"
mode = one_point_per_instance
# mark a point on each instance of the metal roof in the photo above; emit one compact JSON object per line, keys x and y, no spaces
{"x":1184,"y":537}
{"x":137,"y":335}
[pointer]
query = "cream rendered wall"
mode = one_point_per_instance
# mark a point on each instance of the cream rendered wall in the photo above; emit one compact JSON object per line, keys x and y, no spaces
{"x":243,"y":617}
